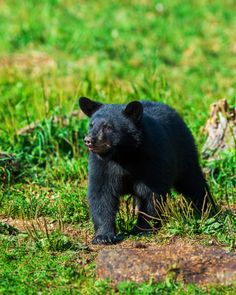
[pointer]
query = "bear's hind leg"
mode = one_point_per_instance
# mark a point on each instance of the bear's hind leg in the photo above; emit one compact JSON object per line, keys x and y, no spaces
{"x":148,"y":216}
{"x":195,"y":188}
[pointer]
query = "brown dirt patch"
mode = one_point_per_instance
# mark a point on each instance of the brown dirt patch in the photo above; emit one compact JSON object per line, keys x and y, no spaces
{"x":34,"y":62}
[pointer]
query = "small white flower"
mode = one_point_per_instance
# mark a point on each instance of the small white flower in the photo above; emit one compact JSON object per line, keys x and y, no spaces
{"x":230,"y":91}
{"x":114,"y":34}
{"x":159,"y":7}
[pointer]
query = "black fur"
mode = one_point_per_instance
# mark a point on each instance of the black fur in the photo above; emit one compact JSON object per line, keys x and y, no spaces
{"x":143,"y":149}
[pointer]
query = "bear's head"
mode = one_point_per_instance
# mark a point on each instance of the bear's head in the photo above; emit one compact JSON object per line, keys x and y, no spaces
{"x":113,"y":128}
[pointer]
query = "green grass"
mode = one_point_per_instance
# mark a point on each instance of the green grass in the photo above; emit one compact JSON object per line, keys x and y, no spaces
{"x":51,"y":53}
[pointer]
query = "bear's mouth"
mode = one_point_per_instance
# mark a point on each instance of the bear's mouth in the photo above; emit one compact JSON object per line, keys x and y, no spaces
{"x":98,"y":149}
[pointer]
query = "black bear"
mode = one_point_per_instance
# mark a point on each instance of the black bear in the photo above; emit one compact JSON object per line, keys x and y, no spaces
{"x":143,"y":149}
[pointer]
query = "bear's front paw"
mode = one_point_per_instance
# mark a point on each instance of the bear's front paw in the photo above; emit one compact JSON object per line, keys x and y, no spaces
{"x":104,"y":240}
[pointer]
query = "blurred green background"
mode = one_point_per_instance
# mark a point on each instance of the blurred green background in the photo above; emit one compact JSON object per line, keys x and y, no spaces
{"x":117,"y":51}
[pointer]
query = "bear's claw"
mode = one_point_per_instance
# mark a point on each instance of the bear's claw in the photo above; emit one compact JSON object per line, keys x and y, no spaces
{"x":104,"y":240}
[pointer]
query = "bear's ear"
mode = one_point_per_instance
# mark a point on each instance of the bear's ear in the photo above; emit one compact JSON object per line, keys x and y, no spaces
{"x":88,"y":106}
{"x":134,"y":111}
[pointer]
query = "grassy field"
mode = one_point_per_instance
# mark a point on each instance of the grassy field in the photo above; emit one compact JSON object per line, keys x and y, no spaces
{"x":52,"y":52}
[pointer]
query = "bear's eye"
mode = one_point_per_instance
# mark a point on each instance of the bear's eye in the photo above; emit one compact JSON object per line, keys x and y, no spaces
{"x":107,"y":128}
{"x":91,"y":124}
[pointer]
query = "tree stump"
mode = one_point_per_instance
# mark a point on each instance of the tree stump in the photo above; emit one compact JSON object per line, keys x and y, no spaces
{"x":9,"y":167}
{"x":220,"y":129}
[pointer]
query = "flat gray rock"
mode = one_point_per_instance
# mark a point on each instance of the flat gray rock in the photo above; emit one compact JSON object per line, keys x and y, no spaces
{"x":180,"y":262}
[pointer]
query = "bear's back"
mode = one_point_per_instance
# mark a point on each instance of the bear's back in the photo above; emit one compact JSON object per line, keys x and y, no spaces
{"x":169,"y":132}
{"x":160,"y":112}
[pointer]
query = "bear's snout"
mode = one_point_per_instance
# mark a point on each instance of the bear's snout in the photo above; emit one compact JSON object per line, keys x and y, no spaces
{"x":89,"y":141}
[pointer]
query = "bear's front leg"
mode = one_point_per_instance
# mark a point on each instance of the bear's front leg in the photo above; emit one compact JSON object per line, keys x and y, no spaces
{"x":103,"y":208}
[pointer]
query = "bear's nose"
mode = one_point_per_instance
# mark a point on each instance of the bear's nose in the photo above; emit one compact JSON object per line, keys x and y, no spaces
{"x":88,"y":140}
